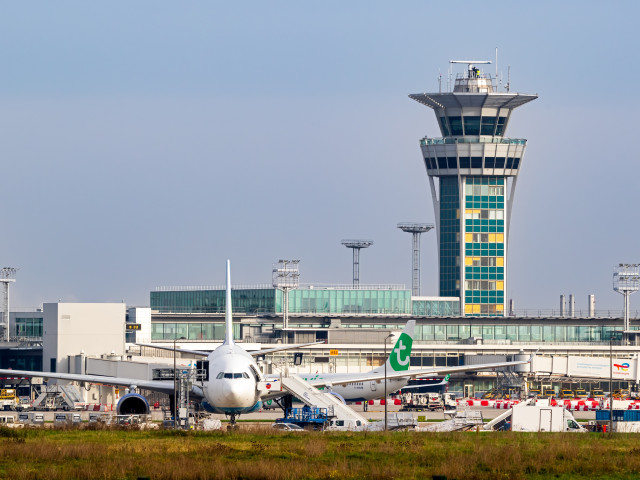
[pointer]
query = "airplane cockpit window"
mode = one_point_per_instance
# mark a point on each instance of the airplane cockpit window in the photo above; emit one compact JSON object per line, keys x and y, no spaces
{"x":233,"y":375}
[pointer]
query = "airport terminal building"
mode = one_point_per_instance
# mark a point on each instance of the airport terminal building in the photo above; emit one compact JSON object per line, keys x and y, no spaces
{"x":472,"y":170}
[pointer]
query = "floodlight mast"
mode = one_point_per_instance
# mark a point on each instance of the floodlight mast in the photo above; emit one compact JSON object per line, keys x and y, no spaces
{"x":415,"y":229}
{"x":7,"y":276}
{"x":285,"y":277}
{"x":356,"y":245}
{"x":626,"y":280}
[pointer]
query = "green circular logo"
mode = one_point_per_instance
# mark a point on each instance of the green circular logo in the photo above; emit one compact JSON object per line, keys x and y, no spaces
{"x":399,"y":358}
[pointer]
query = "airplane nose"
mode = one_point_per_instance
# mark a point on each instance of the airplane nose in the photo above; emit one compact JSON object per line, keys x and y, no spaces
{"x":234,"y":393}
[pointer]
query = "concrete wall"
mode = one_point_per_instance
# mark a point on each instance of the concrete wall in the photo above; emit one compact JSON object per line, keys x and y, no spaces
{"x":142,"y":316}
{"x":70,"y":329}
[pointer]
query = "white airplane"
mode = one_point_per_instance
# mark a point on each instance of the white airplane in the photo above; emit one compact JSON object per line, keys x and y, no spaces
{"x":354,"y":387}
{"x":234,"y":384}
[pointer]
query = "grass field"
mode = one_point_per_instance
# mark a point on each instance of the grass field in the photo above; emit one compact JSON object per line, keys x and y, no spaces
{"x":263,"y":454}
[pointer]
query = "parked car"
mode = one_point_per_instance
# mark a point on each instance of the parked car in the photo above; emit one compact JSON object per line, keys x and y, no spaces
{"x":287,"y":427}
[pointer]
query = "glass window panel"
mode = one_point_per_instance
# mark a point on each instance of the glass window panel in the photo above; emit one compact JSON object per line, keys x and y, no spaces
{"x":452,"y":332}
{"x":536,"y":333}
{"x":195,"y":331}
{"x":472,"y":125}
{"x":456,"y":126}
{"x":487,"y":332}
{"x":488,"y":125}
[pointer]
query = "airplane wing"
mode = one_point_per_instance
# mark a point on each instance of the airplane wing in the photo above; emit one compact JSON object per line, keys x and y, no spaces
{"x":422,"y":385}
{"x":258,"y":353}
{"x":418,"y":372}
{"x":162,"y":386}
{"x":179,"y":350}
{"x":254,"y":353}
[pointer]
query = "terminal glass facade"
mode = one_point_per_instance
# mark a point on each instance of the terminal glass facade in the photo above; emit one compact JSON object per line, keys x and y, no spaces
{"x":205,"y":331}
{"x":346,"y":301}
{"x":514,"y":333}
{"x":258,"y":300}
{"x":30,"y":327}
{"x":270,"y":300}
{"x":436,"y":308}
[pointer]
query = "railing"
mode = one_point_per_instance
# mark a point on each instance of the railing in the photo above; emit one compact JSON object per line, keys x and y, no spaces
{"x":553,"y":313}
{"x":474,"y":139}
{"x":302,"y":286}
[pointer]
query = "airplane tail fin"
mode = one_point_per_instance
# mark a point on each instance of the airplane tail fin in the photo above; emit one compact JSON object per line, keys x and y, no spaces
{"x":399,"y":356}
{"x":228,"y":312}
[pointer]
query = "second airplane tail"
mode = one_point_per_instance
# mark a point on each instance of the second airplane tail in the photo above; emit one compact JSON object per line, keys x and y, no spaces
{"x":400,"y":356}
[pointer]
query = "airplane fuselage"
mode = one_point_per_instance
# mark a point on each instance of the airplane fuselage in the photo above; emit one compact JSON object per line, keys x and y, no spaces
{"x":232,"y":387}
{"x":351,"y":392}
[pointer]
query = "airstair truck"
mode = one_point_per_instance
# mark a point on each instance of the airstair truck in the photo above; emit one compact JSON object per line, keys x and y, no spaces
{"x":537,"y":418}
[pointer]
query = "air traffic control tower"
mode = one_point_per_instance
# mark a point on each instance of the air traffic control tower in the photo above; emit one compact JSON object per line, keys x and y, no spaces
{"x":473,"y":171}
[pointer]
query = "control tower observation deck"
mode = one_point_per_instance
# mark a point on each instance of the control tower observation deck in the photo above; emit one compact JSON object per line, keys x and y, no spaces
{"x":477,"y":168}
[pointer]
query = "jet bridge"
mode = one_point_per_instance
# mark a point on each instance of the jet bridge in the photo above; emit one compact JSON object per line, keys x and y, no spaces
{"x":625,"y":369}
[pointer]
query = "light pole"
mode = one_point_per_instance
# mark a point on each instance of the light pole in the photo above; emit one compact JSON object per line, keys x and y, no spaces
{"x":175,"y":386}
{"x":613,"y":334}
{"x":385,"y":380}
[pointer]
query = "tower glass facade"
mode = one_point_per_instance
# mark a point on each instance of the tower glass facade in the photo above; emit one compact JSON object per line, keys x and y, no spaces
{"x":484,"y":241}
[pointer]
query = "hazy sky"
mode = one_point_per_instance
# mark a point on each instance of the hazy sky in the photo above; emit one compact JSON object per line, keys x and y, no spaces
{"x":145,"y":142}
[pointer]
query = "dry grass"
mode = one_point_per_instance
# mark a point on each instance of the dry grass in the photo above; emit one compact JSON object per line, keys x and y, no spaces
{"x":263,"y":454}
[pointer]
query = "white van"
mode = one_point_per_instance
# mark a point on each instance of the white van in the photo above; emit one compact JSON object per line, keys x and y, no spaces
{"x":345,"y":425}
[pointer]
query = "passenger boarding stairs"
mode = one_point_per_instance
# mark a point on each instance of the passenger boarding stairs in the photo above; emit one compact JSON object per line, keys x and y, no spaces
{"x":313,"y":397}
{"x":59,"y":396}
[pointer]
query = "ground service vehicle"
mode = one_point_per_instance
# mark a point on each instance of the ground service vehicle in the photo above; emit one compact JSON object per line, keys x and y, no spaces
{"x":581,"y":393}
{"x":535,"y":418}
{"x":597,"y":393}
{"x":566,"y":393}
{"x":8,"y":399}
{"x":549,"y":393}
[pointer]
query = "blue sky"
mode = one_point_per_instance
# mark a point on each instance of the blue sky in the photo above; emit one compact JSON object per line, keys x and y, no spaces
{"x":146,"y":142}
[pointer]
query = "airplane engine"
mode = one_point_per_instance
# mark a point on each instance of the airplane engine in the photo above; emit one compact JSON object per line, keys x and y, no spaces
{"x":133,"y":404}
{"x":338,"y":396}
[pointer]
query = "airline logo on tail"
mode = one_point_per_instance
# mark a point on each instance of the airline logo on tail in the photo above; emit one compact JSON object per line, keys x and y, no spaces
{"x":401,"y":353}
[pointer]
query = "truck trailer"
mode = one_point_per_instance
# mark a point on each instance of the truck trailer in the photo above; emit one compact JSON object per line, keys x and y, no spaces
{"x":538,"y":418}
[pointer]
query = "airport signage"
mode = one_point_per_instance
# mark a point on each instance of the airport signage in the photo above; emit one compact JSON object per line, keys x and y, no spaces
{"x":598,"y":367}
{"x":134,"y":326}
{"x":333,"y":353}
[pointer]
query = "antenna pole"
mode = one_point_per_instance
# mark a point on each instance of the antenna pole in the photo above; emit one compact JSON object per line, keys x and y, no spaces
{"x":496,"y":67}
